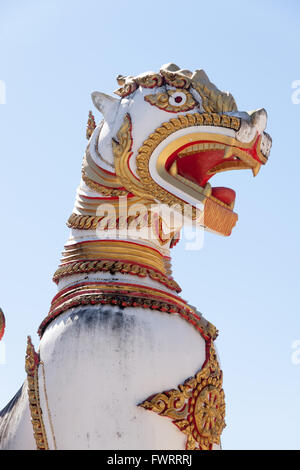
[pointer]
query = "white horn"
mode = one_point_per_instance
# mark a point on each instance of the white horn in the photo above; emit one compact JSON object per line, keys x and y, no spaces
{"x":106,"y":104}
{"x":259,"y":119}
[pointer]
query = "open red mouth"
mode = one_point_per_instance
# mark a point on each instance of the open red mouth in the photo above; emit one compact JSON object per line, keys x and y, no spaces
{"x":196,"y":163}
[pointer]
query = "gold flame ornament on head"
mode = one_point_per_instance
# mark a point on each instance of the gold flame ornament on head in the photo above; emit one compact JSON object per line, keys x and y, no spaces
{"x":213,"y":99}
{"x":32,"y":361}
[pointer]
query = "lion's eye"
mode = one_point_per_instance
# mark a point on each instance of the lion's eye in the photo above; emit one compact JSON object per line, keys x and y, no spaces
{"x":172,"y":101}
{"x":177,"y":99}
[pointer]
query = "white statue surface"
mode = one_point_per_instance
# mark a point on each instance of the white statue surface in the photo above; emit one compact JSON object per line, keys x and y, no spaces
{"x":124,"y":362}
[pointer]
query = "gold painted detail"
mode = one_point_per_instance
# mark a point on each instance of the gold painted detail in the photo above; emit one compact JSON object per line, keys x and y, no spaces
{"x":130,"y":84}
{"x":197,"y":407}
{"x":213,"y":100}
{"x":32,"y":361}
{"x":86,"y":222}
{"x":177,"y":80}
{"x":113,"y":207}
{"x":91,"y":125}
{"x":218,"y":218}
{"x":133,"y":222}
{"x":105,"y":190}
{"x":127,"y":252}
{"x":122,"y":151}
{"x":162,"y":101}
{"x":127,"y":295}
{"x":113,"y":267}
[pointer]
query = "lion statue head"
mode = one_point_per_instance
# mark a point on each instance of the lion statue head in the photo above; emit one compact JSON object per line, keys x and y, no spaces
{"x":166,"y":136}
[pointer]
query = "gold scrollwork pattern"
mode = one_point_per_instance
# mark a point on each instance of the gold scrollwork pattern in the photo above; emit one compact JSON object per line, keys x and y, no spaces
{"x":177,"y":80}
{"x":32,"y":362}
{"x":197,"y":407}
{"x":104,"y":190}
{"x":138,"y":221}
{"x":113,"y":267}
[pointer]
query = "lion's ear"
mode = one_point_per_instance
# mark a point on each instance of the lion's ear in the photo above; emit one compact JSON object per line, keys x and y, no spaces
{"x":106,"y":104}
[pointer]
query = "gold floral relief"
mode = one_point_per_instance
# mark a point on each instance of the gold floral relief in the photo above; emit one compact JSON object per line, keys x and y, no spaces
{"x":197,"y":407}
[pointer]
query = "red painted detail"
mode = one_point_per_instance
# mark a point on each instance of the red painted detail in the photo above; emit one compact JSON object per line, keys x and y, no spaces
{"x":195,"y":167}
{"x":2,"y":324}
{"x":178,"y":99}
{"x":207,"y":160}
{"x":225,"y":195}
{"x":252,"y":151}
{"x":80,"y":300}
{"x":74,"y":287}
{"x":175,"y":240}
{"x":105,"y":171}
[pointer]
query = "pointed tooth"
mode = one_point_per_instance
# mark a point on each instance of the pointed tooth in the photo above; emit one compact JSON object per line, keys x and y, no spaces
{"x":228,"y":152}
{"x":173,"y":169}
{"x":256,"y":169}
{"x":207,"y":189}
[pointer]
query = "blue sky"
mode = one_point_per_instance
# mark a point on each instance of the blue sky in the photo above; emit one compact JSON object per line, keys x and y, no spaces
{"x":53,"y":55}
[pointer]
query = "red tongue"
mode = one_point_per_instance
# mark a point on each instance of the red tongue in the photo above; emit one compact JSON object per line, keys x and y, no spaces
{"x":225,"y":195}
